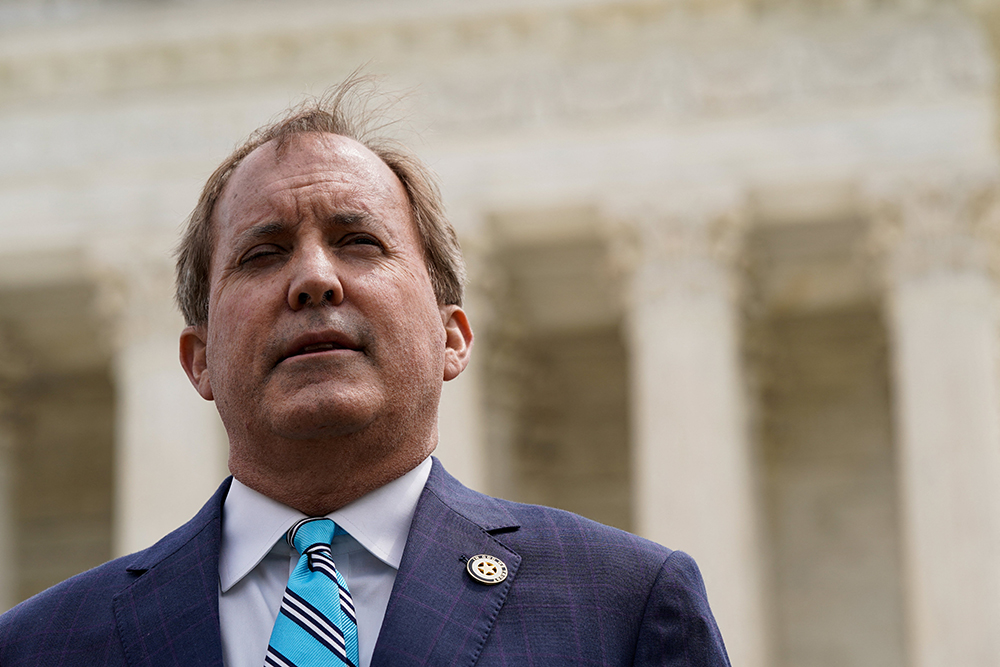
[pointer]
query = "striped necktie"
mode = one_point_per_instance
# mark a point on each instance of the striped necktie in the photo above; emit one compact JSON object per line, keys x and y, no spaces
{"x":316,"y":625}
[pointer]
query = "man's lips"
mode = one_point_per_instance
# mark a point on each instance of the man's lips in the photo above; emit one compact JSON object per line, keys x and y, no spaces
{"x":318,"y":342}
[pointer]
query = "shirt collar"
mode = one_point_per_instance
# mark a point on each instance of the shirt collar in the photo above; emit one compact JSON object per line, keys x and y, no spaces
{"x":379,"y":521}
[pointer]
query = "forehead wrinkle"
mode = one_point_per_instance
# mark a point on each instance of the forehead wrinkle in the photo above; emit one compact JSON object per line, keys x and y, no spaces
{"x":340,"y":197}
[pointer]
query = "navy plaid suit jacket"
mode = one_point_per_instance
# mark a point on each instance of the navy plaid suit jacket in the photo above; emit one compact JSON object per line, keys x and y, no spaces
{"x":577,"y":593}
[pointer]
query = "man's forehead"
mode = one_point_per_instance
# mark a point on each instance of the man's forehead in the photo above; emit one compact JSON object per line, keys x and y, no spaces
{"x":307,"y":156}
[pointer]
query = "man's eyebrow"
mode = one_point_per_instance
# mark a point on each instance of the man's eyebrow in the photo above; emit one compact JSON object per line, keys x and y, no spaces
{"x":267,"y":230}
{"x":263,"y":231}
{"x":351,"y":219}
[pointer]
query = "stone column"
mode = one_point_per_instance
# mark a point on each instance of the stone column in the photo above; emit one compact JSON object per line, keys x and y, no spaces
{"x":14,"y":368}
{"x":937,"y":248}
{"x":170,"y":444}
{"x":693,"y":482}
{"x":8,"y":533}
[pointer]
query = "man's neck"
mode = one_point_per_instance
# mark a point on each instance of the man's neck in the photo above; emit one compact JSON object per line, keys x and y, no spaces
{"x":317,"y":479}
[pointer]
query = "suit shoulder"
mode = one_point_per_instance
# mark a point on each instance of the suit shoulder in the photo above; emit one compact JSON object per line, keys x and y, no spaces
{"x":90,"y":585}
{"x":678,"y":626}
{"x":74,"y":615}
{"x":642,"y":582}
{"x":74,"y":623}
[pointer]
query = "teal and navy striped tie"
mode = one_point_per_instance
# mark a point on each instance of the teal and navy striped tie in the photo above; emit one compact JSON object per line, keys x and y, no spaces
{"x":316,"y":626}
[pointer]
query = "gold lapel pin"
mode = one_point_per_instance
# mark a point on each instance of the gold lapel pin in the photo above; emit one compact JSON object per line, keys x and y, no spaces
{"x":486,"y":569}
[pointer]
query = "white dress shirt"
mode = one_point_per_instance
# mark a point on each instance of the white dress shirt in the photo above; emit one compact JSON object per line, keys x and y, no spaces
{"x":255,"y":561}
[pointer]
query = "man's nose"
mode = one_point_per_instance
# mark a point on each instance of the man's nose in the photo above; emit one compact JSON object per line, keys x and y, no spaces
{"x":316,"y":280}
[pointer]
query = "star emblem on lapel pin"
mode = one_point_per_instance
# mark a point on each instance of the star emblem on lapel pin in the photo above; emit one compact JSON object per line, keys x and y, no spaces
{"x":486,"y":569}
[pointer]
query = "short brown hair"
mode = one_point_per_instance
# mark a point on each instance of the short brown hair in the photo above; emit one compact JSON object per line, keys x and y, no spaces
{"x":346,"y":110}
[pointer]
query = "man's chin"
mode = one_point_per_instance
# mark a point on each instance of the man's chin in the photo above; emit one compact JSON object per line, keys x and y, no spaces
{"x":322,"y":419}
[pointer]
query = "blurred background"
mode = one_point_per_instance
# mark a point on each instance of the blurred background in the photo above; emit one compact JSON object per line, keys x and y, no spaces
{"x":733,"y":281}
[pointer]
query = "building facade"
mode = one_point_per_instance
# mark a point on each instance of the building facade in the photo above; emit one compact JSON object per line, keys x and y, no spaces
{"x":733,"y":280}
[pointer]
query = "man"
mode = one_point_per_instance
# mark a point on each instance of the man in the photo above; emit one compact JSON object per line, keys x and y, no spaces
{"x":322,"y":288}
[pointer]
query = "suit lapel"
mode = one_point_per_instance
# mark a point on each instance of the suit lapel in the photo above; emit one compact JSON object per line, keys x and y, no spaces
{"x":437,"y":614}
{"x":170,"y":614}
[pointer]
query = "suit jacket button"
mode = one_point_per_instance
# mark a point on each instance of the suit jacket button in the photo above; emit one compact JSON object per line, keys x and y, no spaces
{"x":486,"y":569}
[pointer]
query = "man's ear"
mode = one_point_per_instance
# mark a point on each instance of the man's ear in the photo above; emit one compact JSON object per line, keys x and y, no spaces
{"x":458,"y":341}
{"x":193,"y":360}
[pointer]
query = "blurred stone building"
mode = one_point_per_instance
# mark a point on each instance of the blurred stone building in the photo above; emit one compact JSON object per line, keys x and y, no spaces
{"x":733,"y":283}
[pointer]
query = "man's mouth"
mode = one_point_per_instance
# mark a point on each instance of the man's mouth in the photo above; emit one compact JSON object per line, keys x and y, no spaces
{"x":318,"y":347}
{"x":315,"y":343}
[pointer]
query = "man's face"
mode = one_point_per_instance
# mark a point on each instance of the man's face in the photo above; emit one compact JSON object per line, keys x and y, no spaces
{"x":322,"y":319}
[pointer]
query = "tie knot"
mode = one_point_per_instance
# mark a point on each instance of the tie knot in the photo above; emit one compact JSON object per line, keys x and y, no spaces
{"x":310,"y":532}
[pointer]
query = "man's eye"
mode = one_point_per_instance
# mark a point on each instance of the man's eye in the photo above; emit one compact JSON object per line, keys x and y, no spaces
{"x":362,"y":240}
{"x":259,"y":252}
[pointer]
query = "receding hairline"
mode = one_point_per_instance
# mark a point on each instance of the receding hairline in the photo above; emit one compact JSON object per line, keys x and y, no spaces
{"x":280,"y":147}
